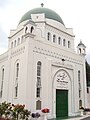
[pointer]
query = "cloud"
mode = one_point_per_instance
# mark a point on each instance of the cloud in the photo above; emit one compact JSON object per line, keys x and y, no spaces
{"x":4,"y":3}
{"x":3,"y":41}
{"x":3,"y":38}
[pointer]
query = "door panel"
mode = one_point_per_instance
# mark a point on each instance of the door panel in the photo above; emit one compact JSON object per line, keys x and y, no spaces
{"x":61,"y":103}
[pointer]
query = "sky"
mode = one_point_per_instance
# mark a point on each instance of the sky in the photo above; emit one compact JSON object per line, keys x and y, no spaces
{"x":74,"y":13}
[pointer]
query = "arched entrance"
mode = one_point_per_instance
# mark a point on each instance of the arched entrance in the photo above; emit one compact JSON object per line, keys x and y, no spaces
{"x":62,"y":93}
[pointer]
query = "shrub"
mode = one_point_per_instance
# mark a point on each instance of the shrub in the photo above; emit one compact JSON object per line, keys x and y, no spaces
{"x":5,"y":109}
{"x":13,"y":112}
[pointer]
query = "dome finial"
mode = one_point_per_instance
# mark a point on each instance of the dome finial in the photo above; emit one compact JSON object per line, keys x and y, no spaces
{"x":80,"y":41}
{"x":42,"y":4}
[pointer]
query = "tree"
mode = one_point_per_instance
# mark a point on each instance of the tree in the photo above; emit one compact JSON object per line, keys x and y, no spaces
{"x":5,"y":109}
{"x":88,"y":73}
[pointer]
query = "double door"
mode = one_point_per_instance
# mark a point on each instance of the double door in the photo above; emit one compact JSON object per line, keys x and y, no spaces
{"x":61,"y":103}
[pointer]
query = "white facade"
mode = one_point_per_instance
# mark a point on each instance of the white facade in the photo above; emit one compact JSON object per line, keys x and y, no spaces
{"x":60,"y":67}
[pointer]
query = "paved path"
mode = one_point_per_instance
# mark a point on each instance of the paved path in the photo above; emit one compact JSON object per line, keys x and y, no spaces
{"x":88,"y":118}
{"x":85,"y":117}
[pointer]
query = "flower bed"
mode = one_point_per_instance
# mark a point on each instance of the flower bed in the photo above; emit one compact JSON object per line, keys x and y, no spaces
{"x":45,"y":110}
{"x":35,"y":115}
{"x":10,"y":111}
{"x":4,"y":118}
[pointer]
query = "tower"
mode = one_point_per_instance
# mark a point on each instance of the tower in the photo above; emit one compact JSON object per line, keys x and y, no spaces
{"x":81,"y":48}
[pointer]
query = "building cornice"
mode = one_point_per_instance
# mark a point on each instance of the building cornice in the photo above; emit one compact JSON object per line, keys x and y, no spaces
{"x":16,"y":33}
{"x":4,"y":56}
{"x":60,"y":30}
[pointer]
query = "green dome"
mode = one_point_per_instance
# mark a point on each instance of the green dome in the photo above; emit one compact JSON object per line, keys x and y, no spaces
{"x":48,"y":14}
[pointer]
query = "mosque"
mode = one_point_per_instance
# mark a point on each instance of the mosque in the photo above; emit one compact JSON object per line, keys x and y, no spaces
{"x":41,"y":68}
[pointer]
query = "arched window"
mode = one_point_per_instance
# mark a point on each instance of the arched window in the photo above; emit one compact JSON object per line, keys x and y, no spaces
{"x":54,"y":38}
{"x":18,"y":41}
{"x":12,"y":45}
{"x":48,"y":36}
{"x":68,"y":44}
{"x":32,"y":28}
{"x":83,"y":50}
{"x":15,"y":43}
{"x":38,"y":79}
{"x":1,"y":91}
{"x":38,"y":105}
{"x":87,"y":89}
{"x":16,"y":79}
{"x":80,"y":103}
{"x":64,"y":42}
{"x":79,"y":50}
{"x":79,"y":83}
{"x":22,"y":39}
{"x":26,"y":29}
{"x":59,"y":40}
